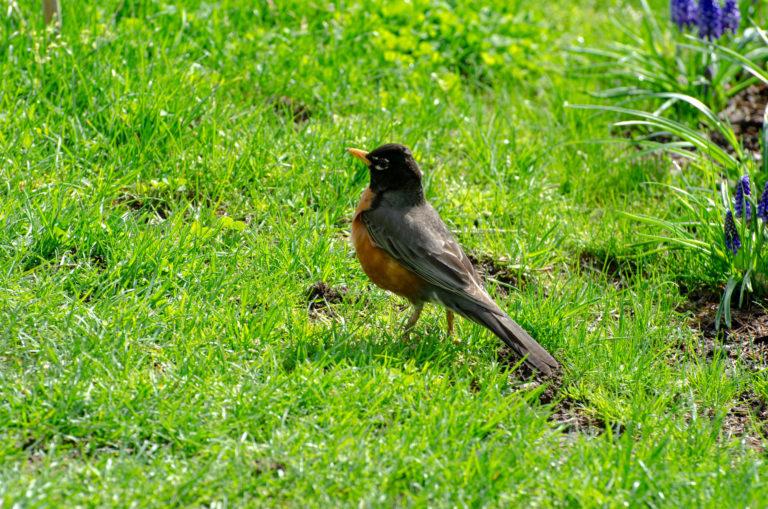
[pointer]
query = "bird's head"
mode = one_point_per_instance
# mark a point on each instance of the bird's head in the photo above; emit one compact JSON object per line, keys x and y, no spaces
{"x":391,"y":166}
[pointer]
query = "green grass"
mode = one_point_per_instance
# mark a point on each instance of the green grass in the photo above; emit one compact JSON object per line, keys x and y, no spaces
{"x":162,"y":215}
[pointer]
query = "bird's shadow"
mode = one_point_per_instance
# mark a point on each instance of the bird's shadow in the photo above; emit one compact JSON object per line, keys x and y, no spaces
{"x":337,"y":347}
{"x":423,"y":347}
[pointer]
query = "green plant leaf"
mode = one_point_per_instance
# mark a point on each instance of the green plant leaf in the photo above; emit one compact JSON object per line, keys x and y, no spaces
{"x":724,"y":309}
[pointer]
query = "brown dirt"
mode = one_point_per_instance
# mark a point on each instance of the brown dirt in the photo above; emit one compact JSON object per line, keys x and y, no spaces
{"x":320,"y":296}
{"x":277,"y":468}
{"x":615,"y":270}
{"x":498,"y":270}
{"x":136,"y":203}
{"x":746,"y":343}
{"x":569,"y":414}
{"x":743,"y":347}
{"x":745,"y":112}
{"x":93,"y":259}
{"x":294,"y":110}
{"x":748,"y":419}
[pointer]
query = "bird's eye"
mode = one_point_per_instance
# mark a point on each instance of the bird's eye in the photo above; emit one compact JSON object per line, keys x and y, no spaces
{"x":380,"y":163}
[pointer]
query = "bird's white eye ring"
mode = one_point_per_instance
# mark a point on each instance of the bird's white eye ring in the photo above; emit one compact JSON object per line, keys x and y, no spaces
{"x":380,"y":163}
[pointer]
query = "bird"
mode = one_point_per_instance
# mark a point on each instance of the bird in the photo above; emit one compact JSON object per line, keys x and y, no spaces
{"x":405,"y":247}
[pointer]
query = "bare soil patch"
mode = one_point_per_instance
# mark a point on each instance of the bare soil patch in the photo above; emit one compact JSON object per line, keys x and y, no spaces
{"x":615,"y":270}
{"x":745,"y":112}
{"x":743,"y":347}
{"x":262,"y":466}
{"x":292,"y":109}
{"x":490,"y":269}
{"x":748,"y":419}
{"x":321,"y":296}
{"x":745,"y":343}
{"x":570,"y":414}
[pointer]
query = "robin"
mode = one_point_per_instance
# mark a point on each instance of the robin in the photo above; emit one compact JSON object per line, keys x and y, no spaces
{"x":405,"y":247}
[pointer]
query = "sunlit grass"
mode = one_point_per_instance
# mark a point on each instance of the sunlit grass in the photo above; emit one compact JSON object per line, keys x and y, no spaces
{"x":173,"y":180}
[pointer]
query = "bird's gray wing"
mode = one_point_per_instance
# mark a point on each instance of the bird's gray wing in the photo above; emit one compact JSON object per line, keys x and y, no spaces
{"x":421,"y":242}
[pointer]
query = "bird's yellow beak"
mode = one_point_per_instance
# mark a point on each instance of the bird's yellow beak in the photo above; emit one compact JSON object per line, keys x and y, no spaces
{"x":360,"y":154}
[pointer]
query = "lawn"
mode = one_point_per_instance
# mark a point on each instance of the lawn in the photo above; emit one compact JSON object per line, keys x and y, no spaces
{"x":174,"y":190}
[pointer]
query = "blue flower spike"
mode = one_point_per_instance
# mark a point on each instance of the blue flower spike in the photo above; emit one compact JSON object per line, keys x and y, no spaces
{"x":683,"y":13}
{"x":731,"y":16}
{"x":739,"y":199}
{"x":732,"y":240}
{"x":762,"y":205}
{"x":709,"y":19}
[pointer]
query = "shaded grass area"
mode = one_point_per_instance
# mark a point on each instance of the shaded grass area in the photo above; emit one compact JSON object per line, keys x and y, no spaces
{"x":174,"y":181}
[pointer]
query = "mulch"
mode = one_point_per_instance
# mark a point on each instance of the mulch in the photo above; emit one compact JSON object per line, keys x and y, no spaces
{"x":745,"y":112}
{"x":744,"y":349}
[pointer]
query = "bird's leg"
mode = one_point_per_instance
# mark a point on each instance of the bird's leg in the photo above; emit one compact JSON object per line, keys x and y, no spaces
{"x":449,"y":317}
{"x":417,"y":307}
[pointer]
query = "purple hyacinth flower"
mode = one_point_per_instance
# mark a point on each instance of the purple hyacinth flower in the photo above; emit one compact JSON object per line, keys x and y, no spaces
{"x":709,"y":19}
{"x":683,"y":13}
{"x":731,"y":16}
{"x":732,"y":240}
{"x":762,"y":205}
{"x":739,"y":199}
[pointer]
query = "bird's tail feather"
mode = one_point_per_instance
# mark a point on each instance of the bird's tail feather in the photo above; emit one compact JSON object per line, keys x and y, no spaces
{"x":521,"y":342}
{"x":512,"y":334}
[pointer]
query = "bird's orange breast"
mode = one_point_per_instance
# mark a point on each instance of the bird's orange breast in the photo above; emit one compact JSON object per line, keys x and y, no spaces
{"x":379,"y":266}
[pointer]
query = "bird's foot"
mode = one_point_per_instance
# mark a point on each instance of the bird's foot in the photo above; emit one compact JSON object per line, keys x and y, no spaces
{"x":449,"y":333}
{"x":411,"y":323}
